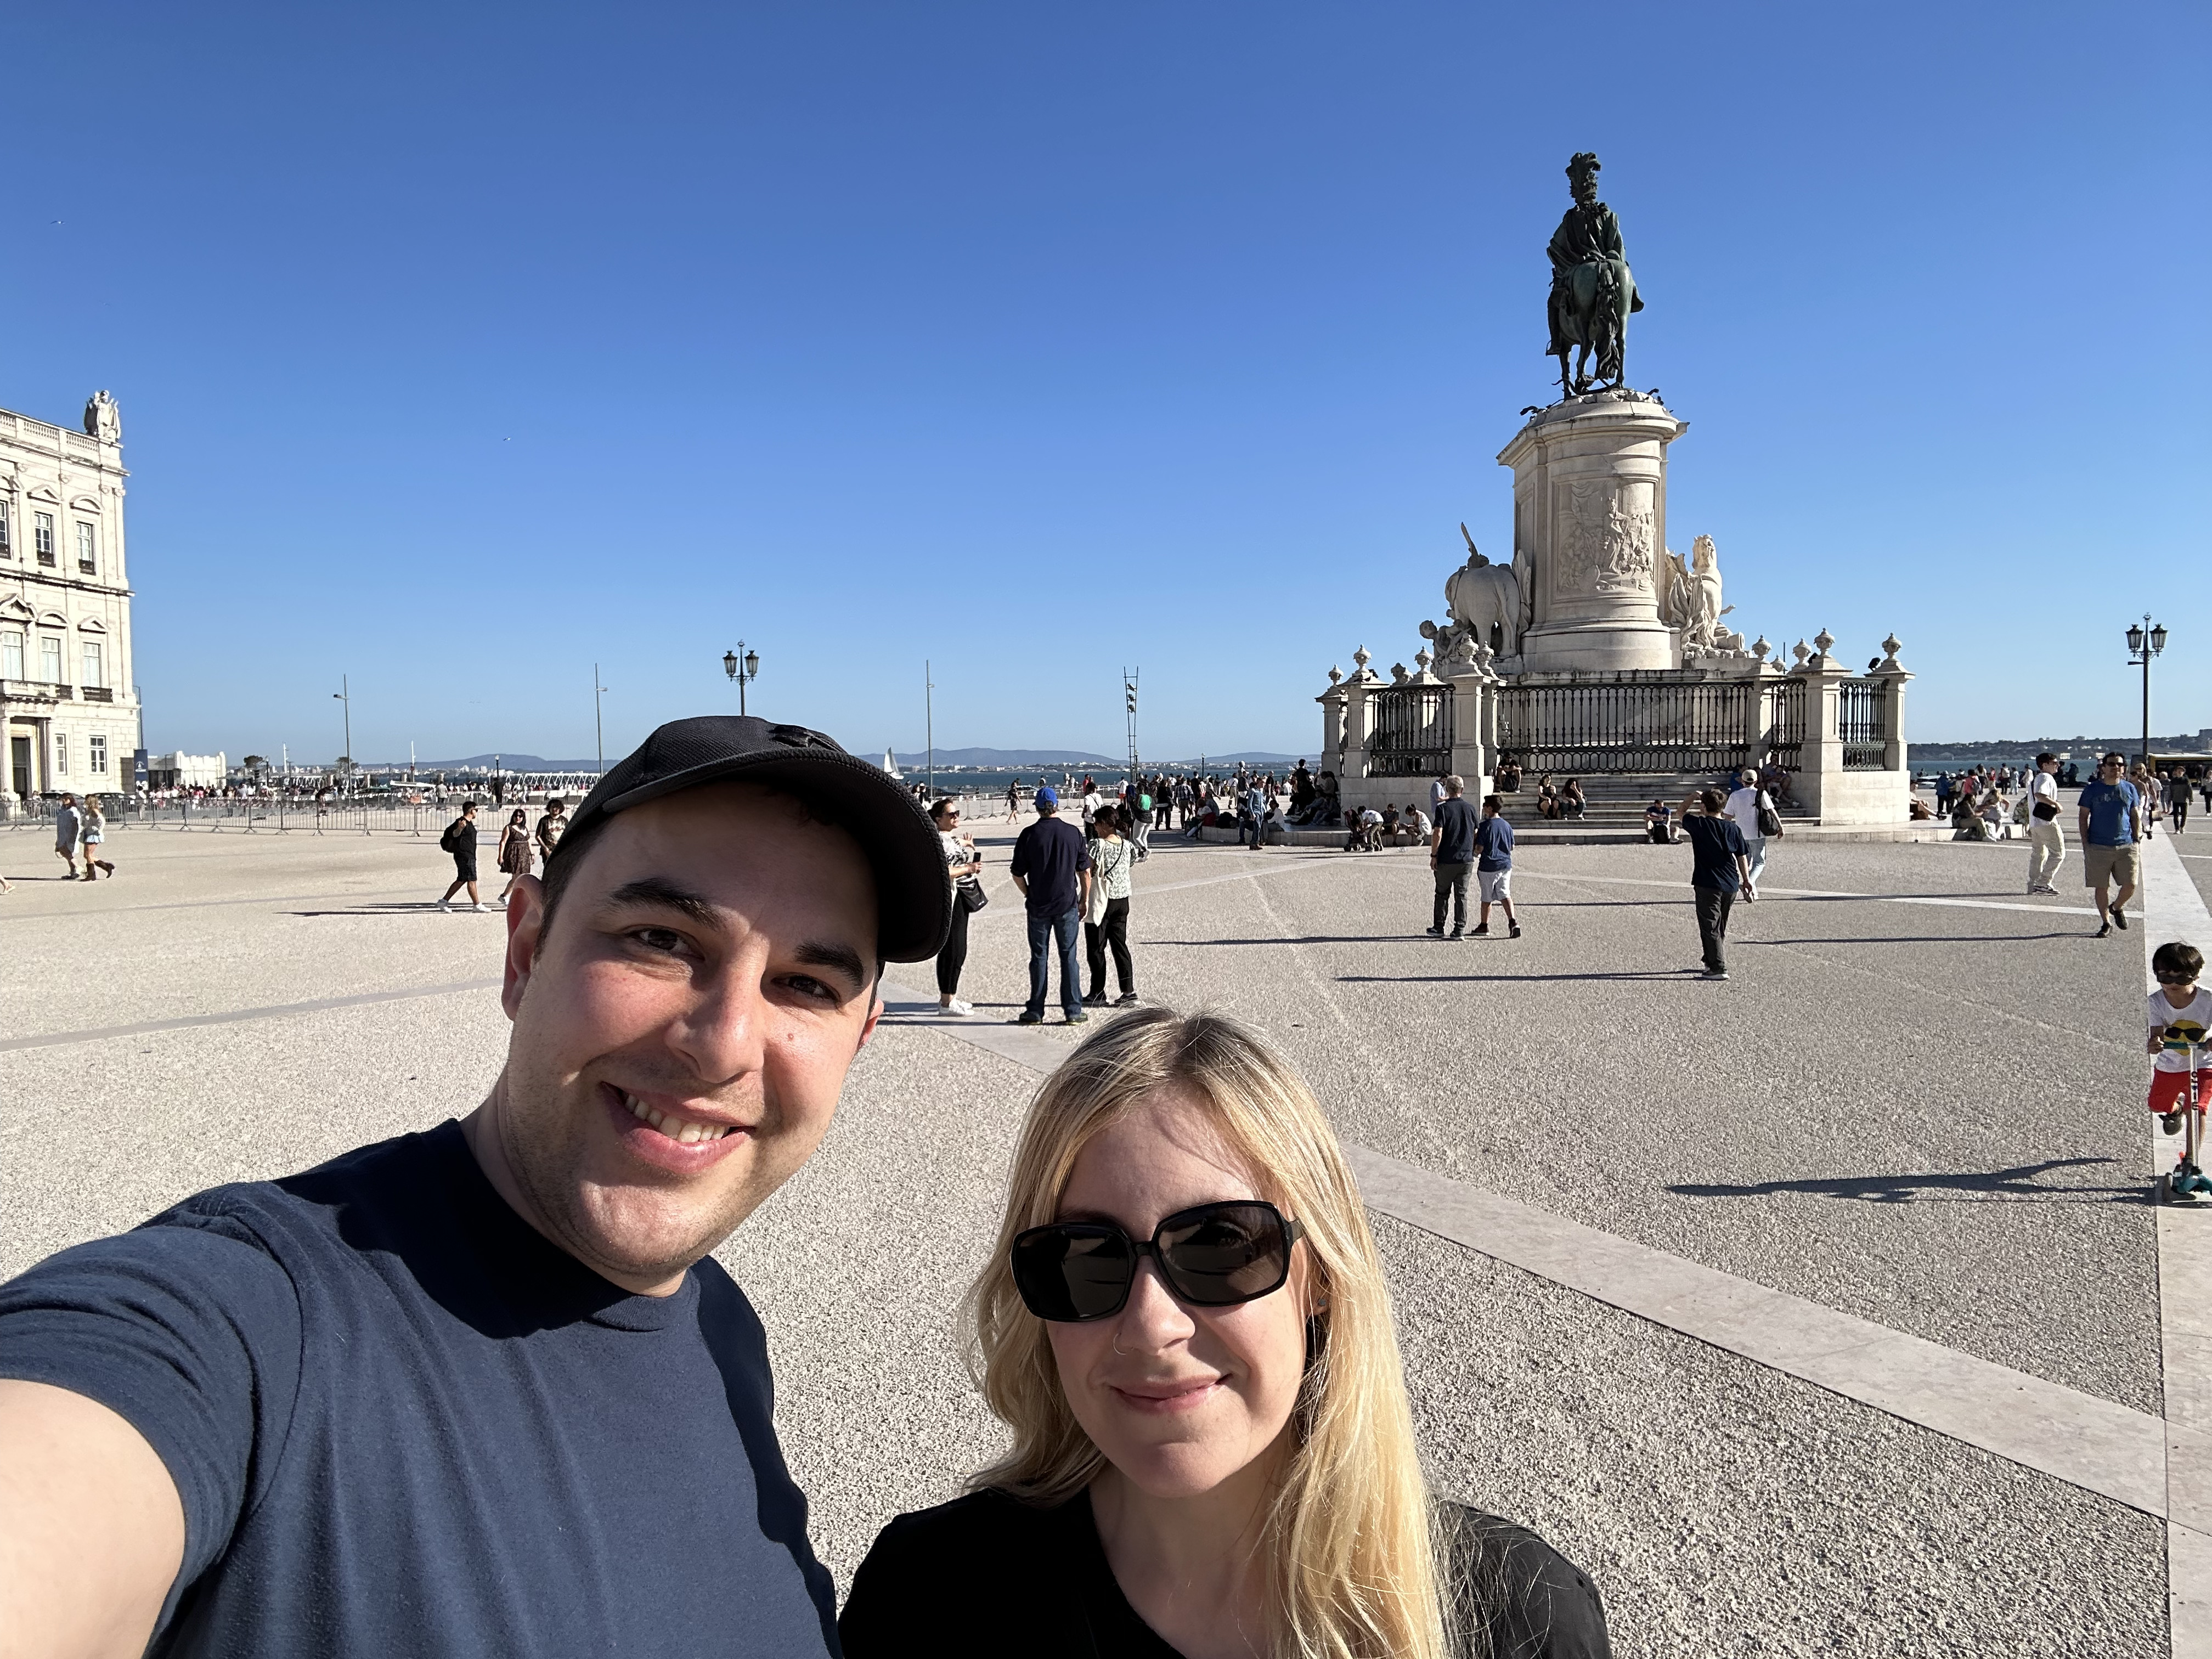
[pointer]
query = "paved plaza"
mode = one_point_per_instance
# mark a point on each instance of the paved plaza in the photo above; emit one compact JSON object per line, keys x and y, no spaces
{"x":1817,"y":1312}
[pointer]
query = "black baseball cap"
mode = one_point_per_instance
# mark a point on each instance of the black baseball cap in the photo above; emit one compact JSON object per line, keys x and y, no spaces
{"x":914,"y":902}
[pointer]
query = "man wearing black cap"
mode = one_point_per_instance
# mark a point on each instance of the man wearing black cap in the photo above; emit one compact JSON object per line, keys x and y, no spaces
{"x":480,"y":1389}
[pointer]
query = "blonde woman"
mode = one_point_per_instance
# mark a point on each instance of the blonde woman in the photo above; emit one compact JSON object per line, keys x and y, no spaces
{"x":95,"y":840}
{"x":1185,"y":1326}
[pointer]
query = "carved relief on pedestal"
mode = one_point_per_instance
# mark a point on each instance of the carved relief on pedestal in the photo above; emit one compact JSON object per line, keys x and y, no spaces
{"x":1602,"y":537}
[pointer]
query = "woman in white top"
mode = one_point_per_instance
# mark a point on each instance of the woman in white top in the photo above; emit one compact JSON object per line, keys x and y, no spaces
{"x":963,"y":865}
{"x":1106,"y":922}
{"x":95,"y":834}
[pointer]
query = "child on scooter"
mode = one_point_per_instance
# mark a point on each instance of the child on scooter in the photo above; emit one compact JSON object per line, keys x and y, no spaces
{"x":2177,"y":1014}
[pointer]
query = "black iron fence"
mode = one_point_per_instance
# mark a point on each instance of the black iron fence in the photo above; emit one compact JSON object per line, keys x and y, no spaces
{"x":1413,"y":735}
{"x":1863,"y":724}
{"x":1695,"y":727}
{"x":1781,"y":723}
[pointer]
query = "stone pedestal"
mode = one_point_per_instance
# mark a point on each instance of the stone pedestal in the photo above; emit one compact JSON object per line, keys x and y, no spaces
{"x":1589,"y":522}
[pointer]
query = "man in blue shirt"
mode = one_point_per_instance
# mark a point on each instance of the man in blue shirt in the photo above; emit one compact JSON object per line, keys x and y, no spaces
{"x":2112,"y":831}
{"x":482,"y":1389}
{"x":1052,"y":868}
{"x":1720,"y":867}
{"x":1451,"y":856}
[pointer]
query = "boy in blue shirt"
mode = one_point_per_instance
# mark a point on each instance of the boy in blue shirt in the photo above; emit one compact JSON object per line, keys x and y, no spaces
{"x":2112,"y":832}
{"x":1493,"y":866}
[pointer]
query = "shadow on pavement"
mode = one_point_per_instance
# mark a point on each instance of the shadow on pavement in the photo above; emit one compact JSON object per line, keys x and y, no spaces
{"x":1502,"y":979}
{"x":1972,"y":1187}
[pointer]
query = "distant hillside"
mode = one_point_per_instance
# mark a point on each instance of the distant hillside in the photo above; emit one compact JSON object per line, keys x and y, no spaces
{"x":1939,"y":756}
{"x":1008,"y":757}
{"x":484,"y":764}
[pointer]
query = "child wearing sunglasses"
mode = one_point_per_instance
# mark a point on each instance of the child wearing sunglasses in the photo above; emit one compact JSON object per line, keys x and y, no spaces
{"x":1185,"y":1326}
{"x":2177,"y":1014}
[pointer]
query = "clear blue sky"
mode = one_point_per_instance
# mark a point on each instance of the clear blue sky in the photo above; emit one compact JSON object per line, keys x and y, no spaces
{"x":459,"y":346}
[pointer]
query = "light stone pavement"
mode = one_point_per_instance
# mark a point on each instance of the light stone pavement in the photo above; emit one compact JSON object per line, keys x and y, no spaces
{"x":1916,"y":1107}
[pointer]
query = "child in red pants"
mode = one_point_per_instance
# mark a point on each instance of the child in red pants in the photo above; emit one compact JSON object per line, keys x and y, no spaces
{"x":2177,"y":1014}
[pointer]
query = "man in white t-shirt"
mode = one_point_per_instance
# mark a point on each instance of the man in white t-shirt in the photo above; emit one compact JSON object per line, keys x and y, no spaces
{"x":1743,"y":804}
{"x":2047,"y":841}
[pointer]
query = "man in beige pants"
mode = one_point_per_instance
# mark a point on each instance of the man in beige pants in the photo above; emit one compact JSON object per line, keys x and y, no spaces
{"x":2046,"y":848}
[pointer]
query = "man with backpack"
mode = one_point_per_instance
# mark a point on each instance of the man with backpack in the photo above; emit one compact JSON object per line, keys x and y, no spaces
{"x":1140,"y":816}
{"x":460,"y":839}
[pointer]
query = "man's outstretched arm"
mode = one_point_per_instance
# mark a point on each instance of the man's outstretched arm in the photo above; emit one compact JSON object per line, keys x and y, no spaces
{"x":92,"y":1531}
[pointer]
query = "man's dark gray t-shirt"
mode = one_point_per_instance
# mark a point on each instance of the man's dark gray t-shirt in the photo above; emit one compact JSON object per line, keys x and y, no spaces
{"x":1455,"y":830}
{"x":402,"y":1422}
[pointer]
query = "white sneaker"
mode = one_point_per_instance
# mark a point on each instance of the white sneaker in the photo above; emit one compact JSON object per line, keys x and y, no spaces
{"x":446,"y":905}
{"x":484,"y":908}
{"x":956,"y":1008}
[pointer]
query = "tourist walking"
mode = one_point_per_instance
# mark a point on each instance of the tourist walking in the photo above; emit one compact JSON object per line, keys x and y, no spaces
{"x":2111,"y":828}
{"x":1051,"y":870}
{"x":1493,"y":867}
{"x":1255,"y":814}
{"x":1720,"y":869}
{"x":1106,"y":908}
{"x":2176,"y":795}
{"x":552,"y":824}
{"x":93,"y":835}
{"x":514,"y":856}
{"x":1751,"y":809}
{"x":68,"y":825}
{"x":2047,"y":841}
{"x":460,"y":840}
{"x":1451,"y":856}
{"x":963,"y":868}
{"x":1013,"y":800}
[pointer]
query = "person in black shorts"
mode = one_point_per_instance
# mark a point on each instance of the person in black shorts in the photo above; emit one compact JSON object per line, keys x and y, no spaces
{"x":460,"y":840}
{"x":1720,"y":868}
{"x":1182,"y":1244}
{"x":482,"y":1389}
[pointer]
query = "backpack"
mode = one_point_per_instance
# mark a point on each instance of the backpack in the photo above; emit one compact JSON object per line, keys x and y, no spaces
{"x":1144,"y":803}
{"x":450,"y":840}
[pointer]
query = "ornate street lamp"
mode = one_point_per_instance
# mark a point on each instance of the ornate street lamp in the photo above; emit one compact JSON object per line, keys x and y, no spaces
{"x":2141,"y":648}
{"x":742,"y":670}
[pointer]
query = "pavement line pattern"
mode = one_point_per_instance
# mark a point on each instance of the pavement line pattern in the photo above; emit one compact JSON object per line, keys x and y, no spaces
{"x":2097,"y":1444}
{"x":101,"y":1033}
{"x":1765,"y":892}
{"x":2171,"y":908}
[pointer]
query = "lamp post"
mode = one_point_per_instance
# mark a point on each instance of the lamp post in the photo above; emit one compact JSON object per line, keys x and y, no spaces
{"x":929,"y":724}
{"x":2145,"y":641}
{"x":742,"y":669}
{"x":599,"y":726}
{"x":345,"y":697}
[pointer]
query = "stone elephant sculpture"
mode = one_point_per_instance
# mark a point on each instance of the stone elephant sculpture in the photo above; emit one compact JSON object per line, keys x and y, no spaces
{"x":1486,"y":599}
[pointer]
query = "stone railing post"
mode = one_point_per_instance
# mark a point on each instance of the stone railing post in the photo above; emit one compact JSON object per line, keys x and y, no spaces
{"x":1331,"y":724}
{"x":1471,"y":717}
{"x":1358,"y":717}
{"x":1822,"y":771}
{"x":1894,"y":675}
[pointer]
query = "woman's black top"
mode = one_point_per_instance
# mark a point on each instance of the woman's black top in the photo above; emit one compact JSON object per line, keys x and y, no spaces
{"x":987,"y":1575}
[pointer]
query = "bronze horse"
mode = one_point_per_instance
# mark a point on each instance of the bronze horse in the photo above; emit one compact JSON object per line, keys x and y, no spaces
{"x":1592,"y":291}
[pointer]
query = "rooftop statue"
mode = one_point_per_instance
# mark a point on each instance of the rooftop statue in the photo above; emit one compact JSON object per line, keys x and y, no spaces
{"x":1592,"y":292}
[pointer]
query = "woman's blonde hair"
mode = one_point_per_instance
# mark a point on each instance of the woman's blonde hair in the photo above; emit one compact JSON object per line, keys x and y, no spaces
{"x":1350,"y":1568}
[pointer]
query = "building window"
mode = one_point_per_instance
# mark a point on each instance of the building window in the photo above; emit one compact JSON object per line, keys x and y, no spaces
{"x":50,"y":659}
{"x":7,"y":532}
{"x":42,"y":537}
{"x":11,"y":656}
{"x":87,"y":550}
{"x":92,"y":675}
{"x":98,"y":744}
{"x":61,"y":754}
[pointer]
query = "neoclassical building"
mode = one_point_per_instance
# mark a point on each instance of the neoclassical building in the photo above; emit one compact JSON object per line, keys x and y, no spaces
{"x":68,"y":706}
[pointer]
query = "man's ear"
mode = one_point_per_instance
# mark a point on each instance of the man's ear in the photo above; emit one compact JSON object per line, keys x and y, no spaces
{"x":875,"y":1011}
{"x":525,"y":933}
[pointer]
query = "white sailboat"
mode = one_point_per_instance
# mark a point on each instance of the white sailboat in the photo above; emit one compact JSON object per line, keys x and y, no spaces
{"x":891,"y":765}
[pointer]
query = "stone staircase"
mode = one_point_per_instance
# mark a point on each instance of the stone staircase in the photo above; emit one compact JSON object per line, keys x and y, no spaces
{"x":1617,"y":800}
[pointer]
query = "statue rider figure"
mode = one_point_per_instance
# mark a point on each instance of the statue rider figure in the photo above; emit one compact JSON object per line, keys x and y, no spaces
{"x":1592,"y":292}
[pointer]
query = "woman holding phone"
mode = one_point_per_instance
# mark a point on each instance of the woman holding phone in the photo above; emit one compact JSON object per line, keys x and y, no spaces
{"x":1185,"y":1326}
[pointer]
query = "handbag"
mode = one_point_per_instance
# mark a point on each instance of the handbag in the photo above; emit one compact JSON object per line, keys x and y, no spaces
{"x":2044,"y":810}
{"x":1770,"y":821}
{"x":972,"y":896}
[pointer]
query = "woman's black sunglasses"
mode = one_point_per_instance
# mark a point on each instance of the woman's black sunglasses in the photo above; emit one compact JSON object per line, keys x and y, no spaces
{"x":1216,"y":1255}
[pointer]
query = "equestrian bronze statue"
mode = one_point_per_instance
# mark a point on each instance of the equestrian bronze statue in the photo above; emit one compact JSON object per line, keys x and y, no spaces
{"x":1592,"y":292}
